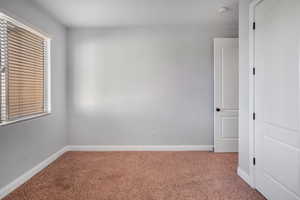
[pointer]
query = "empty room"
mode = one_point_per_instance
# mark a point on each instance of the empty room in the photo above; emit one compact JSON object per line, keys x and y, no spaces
{"x":150,"y":99}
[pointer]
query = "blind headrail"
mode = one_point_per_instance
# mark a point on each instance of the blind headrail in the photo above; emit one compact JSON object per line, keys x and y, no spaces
{"x":24,"y":25}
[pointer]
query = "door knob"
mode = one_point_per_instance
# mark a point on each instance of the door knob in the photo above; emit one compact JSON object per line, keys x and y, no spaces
{"x":218,"y":109}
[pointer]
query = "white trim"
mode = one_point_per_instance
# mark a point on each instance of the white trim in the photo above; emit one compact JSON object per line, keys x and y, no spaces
{"x":244,"y":176}
{"x":5,"y":123}
{"x":48,"y":78}
{"x":30,"y":173}
{"x":140,"y":148}
{"x":17,"y":21}
{"x":253,"y":4}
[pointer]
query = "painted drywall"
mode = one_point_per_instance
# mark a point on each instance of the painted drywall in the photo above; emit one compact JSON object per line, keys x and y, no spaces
{"x":244,"y":85}
{"x":149,"y":85}
{"x":25,"y":144}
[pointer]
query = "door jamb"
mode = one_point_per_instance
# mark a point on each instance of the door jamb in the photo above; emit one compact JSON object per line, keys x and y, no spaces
{"x":253,"y":5}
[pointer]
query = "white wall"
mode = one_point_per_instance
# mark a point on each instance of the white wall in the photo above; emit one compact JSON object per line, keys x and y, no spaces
{"x":23,"y":145}
{"x":148,"y":85}
{"x":244,"y":85}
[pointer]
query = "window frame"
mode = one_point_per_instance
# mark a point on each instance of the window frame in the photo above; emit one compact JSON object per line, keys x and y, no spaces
{"x":47,"y":70}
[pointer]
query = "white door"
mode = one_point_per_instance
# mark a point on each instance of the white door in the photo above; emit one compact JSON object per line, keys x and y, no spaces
{"x":226,"y":94}
{"x":277,"y":100}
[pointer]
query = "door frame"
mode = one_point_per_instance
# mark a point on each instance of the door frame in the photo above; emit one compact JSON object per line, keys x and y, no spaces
{"x":252,"y":143}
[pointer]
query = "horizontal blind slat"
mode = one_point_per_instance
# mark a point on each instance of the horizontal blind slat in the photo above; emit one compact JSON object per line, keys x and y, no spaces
{"x":25,"y":106}
{"x":24,"y":53}
{"x":31,"y":108}
{"x":14,"y":82}
{"x":16,"y":66}
{"x":24,"y":113}
{"x":25,"y":41}
{"x":25,"y":36}
{"x":26,"y":77}
{"x":24,"y":45}
{"x":23,"y":93}
{"x":26,"y":74}
{"x":26,"y":70}
{"x":20,"y":30}
{"x":27,"y":59}
{"x":25,"y":99}
{"x":22,"y":63}
{"x":24,"y":48}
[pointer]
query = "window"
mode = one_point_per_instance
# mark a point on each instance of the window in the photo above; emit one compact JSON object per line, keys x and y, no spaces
{"x":24,"y":72}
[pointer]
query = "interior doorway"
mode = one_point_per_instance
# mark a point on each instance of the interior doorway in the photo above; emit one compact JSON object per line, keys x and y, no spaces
{"x":226,"y":94}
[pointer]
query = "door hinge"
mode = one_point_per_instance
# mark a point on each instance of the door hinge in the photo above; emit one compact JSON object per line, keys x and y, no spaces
{"x":254,"y":26}
{"x":254,"y":161}
{"x":253,"y":71}
{"x":254,"y":116}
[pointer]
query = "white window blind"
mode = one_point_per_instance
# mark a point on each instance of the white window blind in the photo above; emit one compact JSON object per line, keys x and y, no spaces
{"x":24,"y":71}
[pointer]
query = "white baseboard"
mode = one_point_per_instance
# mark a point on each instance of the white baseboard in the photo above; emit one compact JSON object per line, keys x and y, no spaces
{"x":140,"y":148}
{"x":244,"y":176}
{"x":27,"y":175}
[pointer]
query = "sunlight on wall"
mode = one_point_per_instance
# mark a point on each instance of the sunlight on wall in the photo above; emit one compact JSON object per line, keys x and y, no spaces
{"x":104,"y":82}
{"x":85,"y":78}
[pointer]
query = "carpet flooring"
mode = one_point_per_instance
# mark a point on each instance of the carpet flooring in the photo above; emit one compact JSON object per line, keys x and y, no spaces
{"x":138,"y":176}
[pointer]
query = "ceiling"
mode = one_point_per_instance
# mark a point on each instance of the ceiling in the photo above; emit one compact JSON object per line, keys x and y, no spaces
{"x":97,"y":13}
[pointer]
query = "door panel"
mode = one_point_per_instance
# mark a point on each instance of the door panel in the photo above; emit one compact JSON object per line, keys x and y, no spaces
{"x":229,"y":127}
{"x":285,"y":160}
{"x":226,"y":94}
{"x":277,"y":99}
{"x":229,"y":76}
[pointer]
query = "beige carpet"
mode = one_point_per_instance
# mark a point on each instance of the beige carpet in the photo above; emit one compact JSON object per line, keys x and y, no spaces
{"x":138,"y":176}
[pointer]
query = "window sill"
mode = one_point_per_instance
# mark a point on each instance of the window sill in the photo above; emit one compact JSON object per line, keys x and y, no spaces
{"x":24,"y":119}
